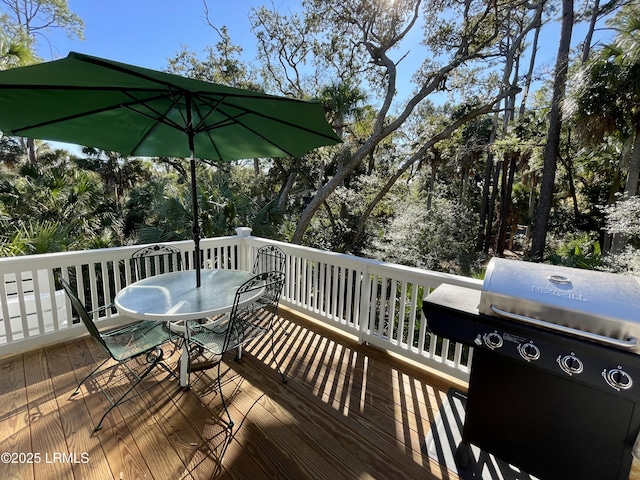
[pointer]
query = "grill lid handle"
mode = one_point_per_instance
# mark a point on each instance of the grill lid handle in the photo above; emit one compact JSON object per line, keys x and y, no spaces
{"x":629,"y":343}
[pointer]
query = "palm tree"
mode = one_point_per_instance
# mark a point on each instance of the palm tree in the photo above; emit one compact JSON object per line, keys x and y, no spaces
{"x":607,"y":99}
{"x":13,"y":54}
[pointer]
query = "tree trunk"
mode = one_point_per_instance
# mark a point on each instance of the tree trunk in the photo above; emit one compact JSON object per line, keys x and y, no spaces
{"x":552,"y":147}
{"x":630,"y":188}
{"x":33,"y":156}
{"x":567,"y":162}
{"x":284,"y":193}
{"x":432,"y":181}
{"x":484,"y":205}
{"x":586,"y":46}
{"x":532,"y":63}
{"x":492,"y":202}
{"x":505,"y":206}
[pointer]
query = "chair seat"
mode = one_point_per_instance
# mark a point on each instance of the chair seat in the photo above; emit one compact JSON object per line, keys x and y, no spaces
{"x":213,"y":337}
{"x":135,"y":339}
{"x":178,"y":326}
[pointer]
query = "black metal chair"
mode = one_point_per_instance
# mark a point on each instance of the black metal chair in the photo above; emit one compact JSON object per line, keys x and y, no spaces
{"x":248,"y":319}
{"x":269,"y":258}
{"x":140,"y":340}
{"x":155,"y":260}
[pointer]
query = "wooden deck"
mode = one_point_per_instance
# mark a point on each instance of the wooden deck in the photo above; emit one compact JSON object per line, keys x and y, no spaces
{"x":348,"y":411}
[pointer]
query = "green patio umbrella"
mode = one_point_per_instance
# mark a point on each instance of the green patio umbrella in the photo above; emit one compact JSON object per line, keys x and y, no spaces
{"x":136,"y":111}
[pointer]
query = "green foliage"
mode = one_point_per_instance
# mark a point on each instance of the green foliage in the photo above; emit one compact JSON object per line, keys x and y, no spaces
{"x":626,"y":262}
{"x":440,"y":239}
{"x":32,"y":238}
{"x":28,"y":20}
{"x":346,"y":54}
{"x":579,"y":251}
{"x":623,"y":218}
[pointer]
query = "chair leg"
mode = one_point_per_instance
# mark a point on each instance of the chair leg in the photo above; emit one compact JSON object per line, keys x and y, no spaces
{"x":87,"y":377}
{"x":224,"y":404}
{"x":154,"y":361}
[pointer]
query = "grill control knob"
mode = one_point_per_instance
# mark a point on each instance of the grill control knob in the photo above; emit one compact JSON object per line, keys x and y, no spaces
{"x":529,"y":351}
{"x":570,"y":364}
{"x":617,"y":378}
{"x":492,"y":340}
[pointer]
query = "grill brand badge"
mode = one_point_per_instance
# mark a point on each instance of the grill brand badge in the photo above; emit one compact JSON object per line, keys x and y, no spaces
{"x":559,"y":293}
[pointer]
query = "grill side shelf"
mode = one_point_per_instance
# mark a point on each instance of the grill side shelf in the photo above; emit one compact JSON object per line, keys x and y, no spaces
{"x":452,"y":312}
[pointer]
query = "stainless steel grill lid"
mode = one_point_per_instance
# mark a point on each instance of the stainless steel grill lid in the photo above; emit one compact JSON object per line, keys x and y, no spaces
{"x":597,"y":306}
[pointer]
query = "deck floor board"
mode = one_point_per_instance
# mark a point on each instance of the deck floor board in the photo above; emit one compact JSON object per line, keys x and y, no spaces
{"x":348,"y":411}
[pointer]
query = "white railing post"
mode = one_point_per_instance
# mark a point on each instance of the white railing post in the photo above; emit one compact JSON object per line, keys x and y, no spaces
{"x":364,"y":305}
{"x":245,"y":248}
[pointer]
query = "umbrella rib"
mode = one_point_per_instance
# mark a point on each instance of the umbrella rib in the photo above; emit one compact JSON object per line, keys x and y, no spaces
{"x":106,"y":88}
{"x":232,"y":121}
{"x":203,"y":117}
{"x":212,"y":108}
{"x":78,"y":115}
{"x":161,"y":119}
{"x":229,"y":121}
{"x":262,"y":115}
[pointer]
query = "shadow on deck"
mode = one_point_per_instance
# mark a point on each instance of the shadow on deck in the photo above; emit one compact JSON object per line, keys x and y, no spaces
{"x":348,"y":411}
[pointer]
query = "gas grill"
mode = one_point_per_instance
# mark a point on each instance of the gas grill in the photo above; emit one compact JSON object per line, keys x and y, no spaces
{"x":555,"y":378}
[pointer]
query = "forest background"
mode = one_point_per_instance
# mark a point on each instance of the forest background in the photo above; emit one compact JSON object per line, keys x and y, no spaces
{"x":488,"y":152}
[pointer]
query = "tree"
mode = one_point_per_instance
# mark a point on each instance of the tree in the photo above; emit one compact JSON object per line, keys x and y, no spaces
{"x":607,"y":96}
{"x":357,"y":41}
{"x":221,"y":63}
{"x":552,"y":147}
{"x":29,"y":20}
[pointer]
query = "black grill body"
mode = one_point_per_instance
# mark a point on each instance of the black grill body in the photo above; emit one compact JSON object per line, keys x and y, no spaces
{"x":556,"y":406}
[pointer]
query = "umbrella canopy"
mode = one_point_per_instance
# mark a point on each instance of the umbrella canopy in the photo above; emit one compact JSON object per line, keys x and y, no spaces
{"x":136,"y":111}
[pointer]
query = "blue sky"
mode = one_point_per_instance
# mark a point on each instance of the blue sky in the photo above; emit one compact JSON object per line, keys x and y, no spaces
{"x":147,"y":32}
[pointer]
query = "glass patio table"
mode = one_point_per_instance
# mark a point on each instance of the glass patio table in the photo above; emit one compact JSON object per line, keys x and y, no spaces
{"x":173,"y":297}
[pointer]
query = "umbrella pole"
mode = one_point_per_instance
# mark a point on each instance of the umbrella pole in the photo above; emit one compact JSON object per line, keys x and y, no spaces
{"x":194,"y":191}
{"x":196,"y":226}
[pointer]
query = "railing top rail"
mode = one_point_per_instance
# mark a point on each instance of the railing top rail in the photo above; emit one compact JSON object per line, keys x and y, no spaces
{"x":56,"y":258}
{"x":372,"y":266}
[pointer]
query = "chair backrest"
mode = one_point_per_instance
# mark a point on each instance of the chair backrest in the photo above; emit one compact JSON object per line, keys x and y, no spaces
{"x":260,"y":293}
{"x":82,"y":312}
{"x":155,"y":260}
{"x":269,"y":258}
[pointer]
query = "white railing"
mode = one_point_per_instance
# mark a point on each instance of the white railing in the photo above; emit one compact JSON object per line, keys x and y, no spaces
{"x":379,"y":303}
